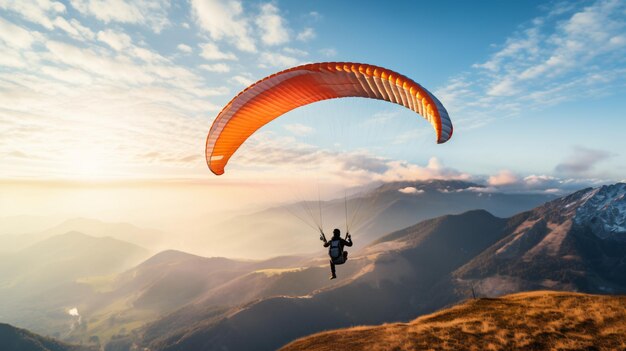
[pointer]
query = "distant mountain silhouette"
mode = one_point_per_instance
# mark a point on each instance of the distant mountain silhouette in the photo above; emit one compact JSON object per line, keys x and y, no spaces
{"x":39,"y":283}
{"x":16,"y":339}
{"x":171,"y":279}
{"x":66,"y":257}
{"x":148,"y":238}
{"x":376,"y":212}
{"x":541,"y":320}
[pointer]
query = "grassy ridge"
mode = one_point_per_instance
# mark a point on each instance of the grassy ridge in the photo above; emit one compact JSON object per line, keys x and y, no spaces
{"x":540,"y":320}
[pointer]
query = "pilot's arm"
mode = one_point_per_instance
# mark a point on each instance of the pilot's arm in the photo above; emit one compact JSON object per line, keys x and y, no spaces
{"x":323,"y":238}
{"x":349,"y":241}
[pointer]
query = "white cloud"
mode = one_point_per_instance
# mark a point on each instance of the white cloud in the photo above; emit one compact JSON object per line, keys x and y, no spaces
{"x":116,"y":40}
{"x":224,"y":20}
{"x":98,"y":64}
{"x":184,"y":48}
{"x":411,"y":190}
{"x":267,"y":155}
{"x":507,"y":181}
{"x":47,"y":14}
{"x":36,"y":11}
{"x":218,"y":67}
{"x":71,"y":76}
{"x":503,"y":88}
{"x":12,"y":57}
{"x":306,"y":34}
{"x":242,"y":80}
{"x":147,"y":55}
{"x":274,"y":59}
{"x":526,"y":44}
{"x":74,"y":28}
{"x":505,"y":177}
{"x":118,"y":68}
{"x":15,"y":36}
{"x":534,"y":181}
{"x":403,"y":171}
{"x":210,"y":51}
{"x":152,"y":13}
{"x":266,"y":151}
{"x":72,"y":109}
{"x":272,"y":25}
{"x":299,"y":129}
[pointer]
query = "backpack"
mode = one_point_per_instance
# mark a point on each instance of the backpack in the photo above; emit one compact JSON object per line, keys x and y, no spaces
{"x":335,"y":250}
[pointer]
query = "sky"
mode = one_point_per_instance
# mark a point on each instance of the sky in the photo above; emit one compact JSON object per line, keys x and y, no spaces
{"x":124,"y":92}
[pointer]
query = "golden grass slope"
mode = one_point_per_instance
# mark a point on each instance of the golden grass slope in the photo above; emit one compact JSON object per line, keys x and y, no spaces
{"x":541,"y":320}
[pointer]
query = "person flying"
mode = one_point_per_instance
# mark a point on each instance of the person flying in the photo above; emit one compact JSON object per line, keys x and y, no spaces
{"x":335,"y":249}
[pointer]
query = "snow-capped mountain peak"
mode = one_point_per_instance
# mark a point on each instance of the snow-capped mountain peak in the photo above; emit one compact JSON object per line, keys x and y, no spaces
{"x":604,"y":210}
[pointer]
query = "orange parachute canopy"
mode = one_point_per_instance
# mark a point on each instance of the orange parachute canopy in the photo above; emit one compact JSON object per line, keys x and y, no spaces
{"x":284,"y":91}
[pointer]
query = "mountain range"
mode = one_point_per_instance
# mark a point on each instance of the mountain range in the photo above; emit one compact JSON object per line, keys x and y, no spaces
{"x":370,"y":214}
{"x":430,"y":265}
{"x":179,"y":301}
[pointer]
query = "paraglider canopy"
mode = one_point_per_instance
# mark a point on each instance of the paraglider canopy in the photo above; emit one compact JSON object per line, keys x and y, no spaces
{"x":269,"y":98}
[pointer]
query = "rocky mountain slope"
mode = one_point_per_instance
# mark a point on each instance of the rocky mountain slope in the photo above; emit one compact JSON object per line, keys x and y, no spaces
{"x":603,"y":210}
{"x":575,"y":243}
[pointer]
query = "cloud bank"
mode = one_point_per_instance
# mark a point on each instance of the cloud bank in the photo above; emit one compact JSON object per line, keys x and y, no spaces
{"x":566,"y":54}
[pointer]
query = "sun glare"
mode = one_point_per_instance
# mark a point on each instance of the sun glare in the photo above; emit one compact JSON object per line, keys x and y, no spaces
{"x":87,"y":164}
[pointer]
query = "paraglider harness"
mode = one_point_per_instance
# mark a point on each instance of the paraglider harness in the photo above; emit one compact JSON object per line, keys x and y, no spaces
{"x":335,"y":251}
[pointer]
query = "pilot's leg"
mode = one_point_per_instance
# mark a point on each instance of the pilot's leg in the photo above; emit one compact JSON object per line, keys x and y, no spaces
{"x":332,"y":270}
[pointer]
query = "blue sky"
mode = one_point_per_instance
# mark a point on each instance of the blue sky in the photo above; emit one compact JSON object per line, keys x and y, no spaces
{"x":128,"y":89}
